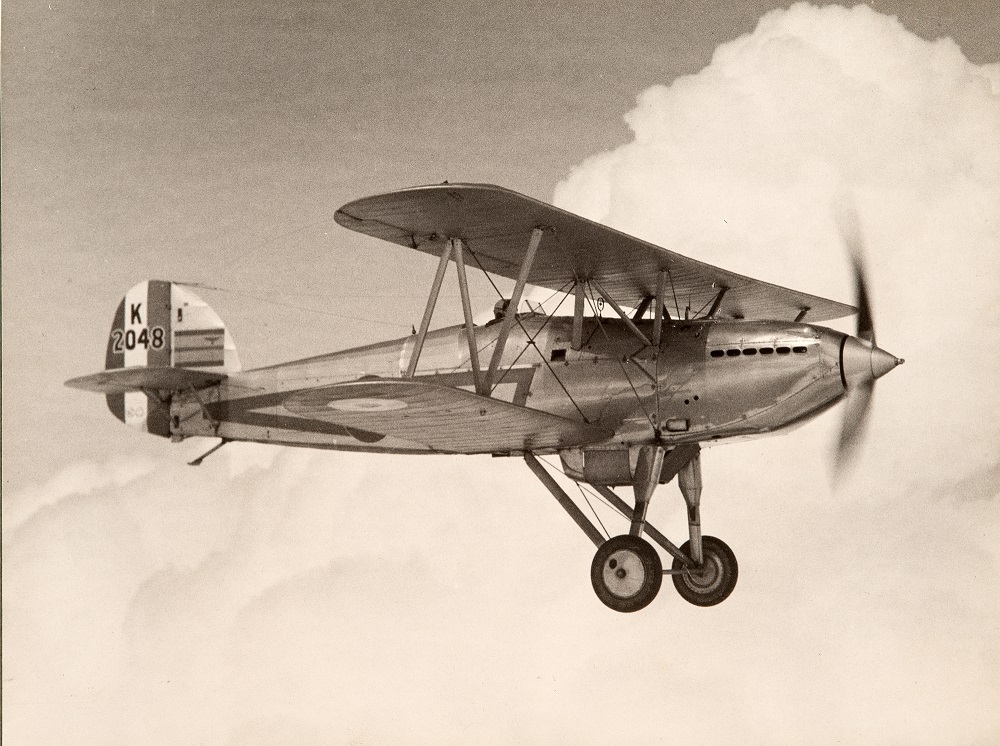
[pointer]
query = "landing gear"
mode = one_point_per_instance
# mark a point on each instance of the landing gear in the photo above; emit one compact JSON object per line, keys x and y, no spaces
{"x":711,"y":582}
{"x":626,"y":573}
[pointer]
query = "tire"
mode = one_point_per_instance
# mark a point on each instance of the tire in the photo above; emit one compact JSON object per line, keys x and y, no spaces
{"x":714,"y":581}
{"x":626,"y":573}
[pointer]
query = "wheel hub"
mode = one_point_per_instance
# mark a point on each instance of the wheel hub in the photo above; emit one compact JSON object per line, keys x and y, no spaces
{"x":706,"y":576}
{"x":624,"y":573}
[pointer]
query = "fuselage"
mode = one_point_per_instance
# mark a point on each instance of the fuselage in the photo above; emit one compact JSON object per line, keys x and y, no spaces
{"x":711,"y":380}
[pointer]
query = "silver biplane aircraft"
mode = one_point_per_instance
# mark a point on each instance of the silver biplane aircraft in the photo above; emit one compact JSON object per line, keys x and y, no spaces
{"x":703,"y":356}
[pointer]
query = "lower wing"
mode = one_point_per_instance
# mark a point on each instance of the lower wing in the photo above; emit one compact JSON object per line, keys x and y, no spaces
{"x":440,"y":417}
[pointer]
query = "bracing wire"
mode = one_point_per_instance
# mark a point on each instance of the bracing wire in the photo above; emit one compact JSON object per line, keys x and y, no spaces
{"x":481,"y":269}
{"x":593,"y":510}
{"x":673,"y":291}
{"x":582,"y":494}
{"x":620,"y":364}
{"x":585,"y":489}
{"x":273,"y":302}
{"x":634,"y":392}
{"x":530,"y":343}
{"x":531,"y":338}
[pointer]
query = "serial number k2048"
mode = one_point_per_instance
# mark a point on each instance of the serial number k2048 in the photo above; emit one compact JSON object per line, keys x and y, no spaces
{"x":128,"y":340}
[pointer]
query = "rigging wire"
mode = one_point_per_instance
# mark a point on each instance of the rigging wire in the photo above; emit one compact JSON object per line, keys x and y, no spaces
{"x":271,"y":301}
{"x":531,"y":343}
{"x":481,"y":269}
{"x":531,"y":339}
{"x":326,"y":221}
{"x":585,"y":489}
{"x":593,"y":510}
{"x":553,"y":295}
{"x":673,"y":291}
{"x":707,"y":303}
{"x":634,"y":392}
{"x":621,"y":365}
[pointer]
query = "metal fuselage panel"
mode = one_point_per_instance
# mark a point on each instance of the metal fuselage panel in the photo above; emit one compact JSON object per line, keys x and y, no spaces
{"x":711,"y":380}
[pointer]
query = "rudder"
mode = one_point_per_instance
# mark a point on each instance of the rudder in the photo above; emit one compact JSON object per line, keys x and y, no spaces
{"x":163,"y":324}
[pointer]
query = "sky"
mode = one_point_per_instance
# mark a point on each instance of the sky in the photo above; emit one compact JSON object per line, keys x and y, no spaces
{"x":282,"y":596}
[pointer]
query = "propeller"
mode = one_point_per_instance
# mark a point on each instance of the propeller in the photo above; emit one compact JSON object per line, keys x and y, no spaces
{"x":861,"y":361}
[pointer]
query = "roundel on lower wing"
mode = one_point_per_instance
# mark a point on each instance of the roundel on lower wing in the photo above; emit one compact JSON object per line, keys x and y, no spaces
{"x":366,"y":405}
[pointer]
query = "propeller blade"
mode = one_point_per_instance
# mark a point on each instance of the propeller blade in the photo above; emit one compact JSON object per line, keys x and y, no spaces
{"x":859,"y":399}
{"x":865,"y":324}
{"x":859,"y":391}
{"x":849,"y":226}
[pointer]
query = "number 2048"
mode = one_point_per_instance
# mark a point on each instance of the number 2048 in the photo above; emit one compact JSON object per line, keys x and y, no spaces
{"x":129,"y":340}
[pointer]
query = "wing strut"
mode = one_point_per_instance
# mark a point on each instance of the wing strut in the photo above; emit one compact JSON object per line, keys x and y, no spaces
{"x":510,"y":314}
{"x":429,"y":310}
{"x":661,"y":289}
{"x":578,"y":290}
{"x":624,"y":316}
{"x":470,"y":334}
{"x":717,"y":303}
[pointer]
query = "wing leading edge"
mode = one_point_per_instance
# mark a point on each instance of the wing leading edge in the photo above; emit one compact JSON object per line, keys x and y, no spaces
{"x":496,"y":224}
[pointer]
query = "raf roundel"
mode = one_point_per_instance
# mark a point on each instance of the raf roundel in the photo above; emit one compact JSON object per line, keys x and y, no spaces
{"x":367,"y":405}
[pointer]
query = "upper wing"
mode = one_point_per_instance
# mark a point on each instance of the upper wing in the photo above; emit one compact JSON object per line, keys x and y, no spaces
{"x":441,"y":417}
{"x":496,"y":225}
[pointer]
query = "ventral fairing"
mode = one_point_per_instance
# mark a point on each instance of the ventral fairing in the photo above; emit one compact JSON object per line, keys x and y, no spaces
{"x":693,"y":355}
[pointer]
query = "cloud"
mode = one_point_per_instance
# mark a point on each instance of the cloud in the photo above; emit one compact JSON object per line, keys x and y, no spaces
{"x":274,"y":595}
{"x":743,"y":163}
{"x":321,"y":599}
{"x":80,"y":478}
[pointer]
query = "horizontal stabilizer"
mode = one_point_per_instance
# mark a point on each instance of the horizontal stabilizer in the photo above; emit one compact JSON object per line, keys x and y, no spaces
{"x":441,"y":417}
{"x":123,"y":380}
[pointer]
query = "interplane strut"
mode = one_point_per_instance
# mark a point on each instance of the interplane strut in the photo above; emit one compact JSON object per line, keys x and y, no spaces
{"x":510,"y":313}
{"x":463,"y":288}
{"x":425,"y":323}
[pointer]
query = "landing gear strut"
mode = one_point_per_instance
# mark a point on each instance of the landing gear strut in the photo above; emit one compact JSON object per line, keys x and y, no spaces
{"x":626,"y":571}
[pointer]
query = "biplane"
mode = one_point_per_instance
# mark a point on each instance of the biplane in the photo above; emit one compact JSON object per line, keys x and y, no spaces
{"x":688,"y":355}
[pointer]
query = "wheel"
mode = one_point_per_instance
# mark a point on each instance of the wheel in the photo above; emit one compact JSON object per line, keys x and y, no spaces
{"x":711,"y":583}
{"x":626,"y":573}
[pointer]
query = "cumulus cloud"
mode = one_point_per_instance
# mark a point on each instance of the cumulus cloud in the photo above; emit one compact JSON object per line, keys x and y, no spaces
{"x":80,"y":478}
{"x":280,"y":596}
{"x":743,"y":163}
{"x":321,"y":600}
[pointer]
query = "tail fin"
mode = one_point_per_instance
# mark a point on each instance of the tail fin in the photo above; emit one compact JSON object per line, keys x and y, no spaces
{"x":161,"y":325}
